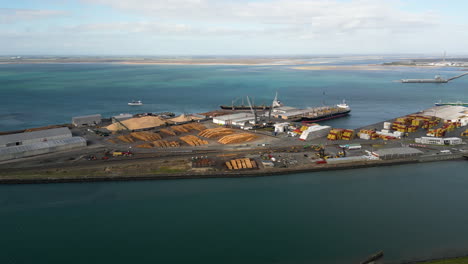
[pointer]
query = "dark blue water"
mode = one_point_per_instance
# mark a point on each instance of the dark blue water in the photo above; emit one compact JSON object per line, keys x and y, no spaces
{"x":328,"y":217}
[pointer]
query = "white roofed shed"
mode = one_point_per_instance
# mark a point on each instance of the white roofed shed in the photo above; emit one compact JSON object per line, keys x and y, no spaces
{"x":89,"y":120}
{"x":26,"y":138}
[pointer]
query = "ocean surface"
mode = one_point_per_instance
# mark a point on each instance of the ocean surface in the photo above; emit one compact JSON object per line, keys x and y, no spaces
{"x":409,"y":211}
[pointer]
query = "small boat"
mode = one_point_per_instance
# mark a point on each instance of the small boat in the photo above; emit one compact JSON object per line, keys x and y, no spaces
{"x":458,"y":103}
{"x":135,"y":103}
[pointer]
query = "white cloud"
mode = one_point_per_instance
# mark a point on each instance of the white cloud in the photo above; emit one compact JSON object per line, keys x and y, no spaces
{"x":241,"y":26}
{"x":298,"y":19}
{"x":330,"y":13}
{"x":11,"y":15}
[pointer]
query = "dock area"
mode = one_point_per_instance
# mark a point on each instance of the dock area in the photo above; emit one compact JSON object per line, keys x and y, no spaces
{"x":193,"y":146}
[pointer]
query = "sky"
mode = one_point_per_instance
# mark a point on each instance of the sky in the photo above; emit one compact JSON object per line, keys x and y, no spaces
{"x":232,"y":27}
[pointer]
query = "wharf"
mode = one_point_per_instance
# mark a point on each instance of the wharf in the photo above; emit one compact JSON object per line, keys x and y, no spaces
{"x":31,"y":176}
{"x":437,"y":79}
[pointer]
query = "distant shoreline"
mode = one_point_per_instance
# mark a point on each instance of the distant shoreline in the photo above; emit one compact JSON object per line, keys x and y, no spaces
{"x":220,"y":61}
{"x":292,"y":63}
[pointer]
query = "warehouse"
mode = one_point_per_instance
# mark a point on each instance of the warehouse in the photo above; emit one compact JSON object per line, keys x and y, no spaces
{"x":26,"y":138}
{"x":38,"y":148}
{"x":121,"y":117}
{"x":233,"y":118}
{"x":397,"y":153}
{"x":439,"y":141}
{"x":449,"y":112}
{"x":89,"y":120}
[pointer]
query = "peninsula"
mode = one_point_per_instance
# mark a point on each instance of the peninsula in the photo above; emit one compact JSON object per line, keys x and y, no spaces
{"x":223,"y":143}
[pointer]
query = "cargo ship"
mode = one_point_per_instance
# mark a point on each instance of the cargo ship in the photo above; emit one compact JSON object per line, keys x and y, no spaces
{"x":311,"y":115}
{"x":276,"y":103}
{"x":340,"y":110}
{"x":458,"y":103}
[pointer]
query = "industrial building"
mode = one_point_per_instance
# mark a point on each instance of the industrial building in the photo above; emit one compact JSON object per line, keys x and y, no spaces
{"x":234,"y":119}
{"x":19,"y":145}
{"x":121,"y":117}
{"x":449,"y":112}
{"x":89,"y":120}
{"x":439,"y":141}
{"x":25,"y":138}
{"x":397,"y":153}
{"x":39,"y":148}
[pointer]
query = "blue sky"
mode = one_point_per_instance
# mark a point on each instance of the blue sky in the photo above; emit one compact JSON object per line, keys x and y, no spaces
{"x":232,"y":27}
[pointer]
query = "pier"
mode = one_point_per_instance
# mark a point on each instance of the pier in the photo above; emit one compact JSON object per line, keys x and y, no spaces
{"x":437,"y":79}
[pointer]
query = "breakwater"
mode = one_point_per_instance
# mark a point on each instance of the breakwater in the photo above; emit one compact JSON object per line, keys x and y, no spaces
{"x":60,"y":177}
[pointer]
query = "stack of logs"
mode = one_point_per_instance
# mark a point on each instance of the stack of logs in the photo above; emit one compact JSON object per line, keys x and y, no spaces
{"x":237,"y":138}
{"x":216,"y":132}
{"x":239,"y":164}
{"x":193,"y":140}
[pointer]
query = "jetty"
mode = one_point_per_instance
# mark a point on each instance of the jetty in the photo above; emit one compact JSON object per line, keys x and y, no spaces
{"x":437,"y":79}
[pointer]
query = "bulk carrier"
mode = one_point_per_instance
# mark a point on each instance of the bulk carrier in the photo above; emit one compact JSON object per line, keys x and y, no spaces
{"x":310,"y":115}
{"x":280,"y":112}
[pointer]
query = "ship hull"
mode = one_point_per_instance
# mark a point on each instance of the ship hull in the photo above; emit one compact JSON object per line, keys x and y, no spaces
{"x":322,"y":118}
{"x":452,"y":104}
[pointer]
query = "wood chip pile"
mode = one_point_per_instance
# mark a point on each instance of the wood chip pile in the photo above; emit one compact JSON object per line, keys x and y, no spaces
{"x":166,"y":144}
{"x":126,"y":138}
{"x":184,"y":118}
{"x":237,"y":138}
{"x":239,"y":164}
{"x":138,"y":123}
{"x":193,"y":140}
{"x":146,"y":136}
{"x":167,"y":131}
{"x":216,"y":132}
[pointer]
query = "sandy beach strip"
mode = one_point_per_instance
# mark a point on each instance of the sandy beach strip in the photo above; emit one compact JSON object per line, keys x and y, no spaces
{"x":370,"y":67}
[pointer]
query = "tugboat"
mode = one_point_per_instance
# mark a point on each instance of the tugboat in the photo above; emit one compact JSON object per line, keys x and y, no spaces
{"x":135,"y":103}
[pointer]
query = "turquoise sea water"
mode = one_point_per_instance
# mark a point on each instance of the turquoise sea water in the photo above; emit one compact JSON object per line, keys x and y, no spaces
{"x":34,"y":95}
{"x":335,"y":217}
